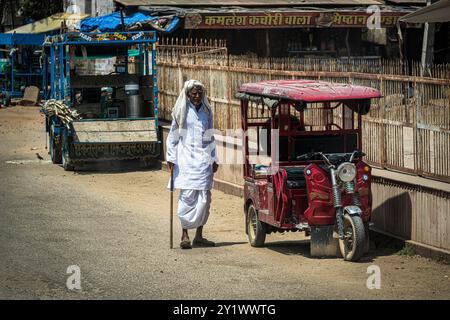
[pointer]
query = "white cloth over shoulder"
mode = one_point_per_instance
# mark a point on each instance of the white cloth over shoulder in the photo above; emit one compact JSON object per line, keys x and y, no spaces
{"x":193,"y":208}
{"x":180,"y":110}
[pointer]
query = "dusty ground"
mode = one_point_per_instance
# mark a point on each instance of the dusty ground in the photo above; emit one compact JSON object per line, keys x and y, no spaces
{"x":114,"y":224}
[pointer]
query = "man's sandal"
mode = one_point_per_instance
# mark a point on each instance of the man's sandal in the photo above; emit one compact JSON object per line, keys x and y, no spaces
{"x":185,"y":244}
{"x":203,"y":243}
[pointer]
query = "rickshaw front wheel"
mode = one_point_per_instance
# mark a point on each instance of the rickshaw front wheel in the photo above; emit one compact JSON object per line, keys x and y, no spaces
{"x":352,"y":247}
{"x":256,"y":229}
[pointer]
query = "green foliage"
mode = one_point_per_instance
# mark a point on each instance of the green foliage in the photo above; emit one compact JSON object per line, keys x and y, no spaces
{"x":408,"y":250}
{"x":39,"y":9}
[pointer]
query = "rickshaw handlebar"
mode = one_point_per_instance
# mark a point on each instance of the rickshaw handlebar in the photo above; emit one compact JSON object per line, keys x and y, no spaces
{"x":307,"y":156}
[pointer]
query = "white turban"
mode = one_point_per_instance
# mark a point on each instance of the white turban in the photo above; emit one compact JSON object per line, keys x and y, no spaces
{"x":180,"y":109}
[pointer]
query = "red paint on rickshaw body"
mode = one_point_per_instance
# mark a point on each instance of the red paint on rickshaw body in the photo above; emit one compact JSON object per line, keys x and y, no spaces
{"x":309,"y":90}
{"x":363,"y":187}
{"x":321,"y":209}
{"x":261,"y":188}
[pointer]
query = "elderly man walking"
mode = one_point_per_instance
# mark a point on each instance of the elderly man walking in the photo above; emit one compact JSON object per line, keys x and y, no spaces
{"x":191,"y":153}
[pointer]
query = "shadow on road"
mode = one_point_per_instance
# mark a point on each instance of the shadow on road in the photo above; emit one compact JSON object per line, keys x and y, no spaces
{"x":291,"y":247}
{"x":114,"y":167}
{"x":227,"y":244}
{"x":380,"y":246}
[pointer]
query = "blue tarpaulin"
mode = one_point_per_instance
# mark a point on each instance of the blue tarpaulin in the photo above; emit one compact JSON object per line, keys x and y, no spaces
{"x":113,"y":22}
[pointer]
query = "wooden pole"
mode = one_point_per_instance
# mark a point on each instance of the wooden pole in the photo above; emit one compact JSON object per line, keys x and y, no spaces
{"x":171,"y":207}
{"x":267,"y":43}
{"x":12,"y":8}
{"x":122,"y":19}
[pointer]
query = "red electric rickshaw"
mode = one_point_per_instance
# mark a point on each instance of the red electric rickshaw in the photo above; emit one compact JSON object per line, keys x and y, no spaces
{"x":303,"y":164}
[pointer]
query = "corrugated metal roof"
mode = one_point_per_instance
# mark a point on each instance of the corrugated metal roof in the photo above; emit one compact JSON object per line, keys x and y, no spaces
{"x":245,"y":3}
{"x":437,"y":12}
{"x":181,"y":11}
{"x":50,"y":23}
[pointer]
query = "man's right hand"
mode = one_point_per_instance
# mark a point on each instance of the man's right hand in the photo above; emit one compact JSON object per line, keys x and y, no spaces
{"x":171,"y":165}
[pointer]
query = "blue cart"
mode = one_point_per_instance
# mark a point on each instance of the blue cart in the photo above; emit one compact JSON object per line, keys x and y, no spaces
{"x":103,"y":102}
{"x":20,"y":64}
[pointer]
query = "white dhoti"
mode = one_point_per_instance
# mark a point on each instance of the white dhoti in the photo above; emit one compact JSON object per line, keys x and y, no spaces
{"x":193,"y":208}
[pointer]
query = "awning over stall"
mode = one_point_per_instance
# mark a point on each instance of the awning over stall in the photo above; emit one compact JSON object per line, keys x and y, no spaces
{"x":51,"y":23}
{"x":34,"y":33}
{"x":245,"y":3}
{"x":263,"y":14}
{"x":437,"y":12}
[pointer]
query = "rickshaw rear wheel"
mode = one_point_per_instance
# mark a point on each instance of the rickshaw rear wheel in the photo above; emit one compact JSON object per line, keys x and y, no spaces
{"x":256,"y":229}
{"x":353,"y":246}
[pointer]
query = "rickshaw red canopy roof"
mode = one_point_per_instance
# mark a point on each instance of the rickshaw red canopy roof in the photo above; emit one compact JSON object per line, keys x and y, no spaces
{"x":309,"y":90}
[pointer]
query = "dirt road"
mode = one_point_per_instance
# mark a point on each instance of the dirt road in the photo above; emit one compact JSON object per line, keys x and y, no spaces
{"x":113,"y":224}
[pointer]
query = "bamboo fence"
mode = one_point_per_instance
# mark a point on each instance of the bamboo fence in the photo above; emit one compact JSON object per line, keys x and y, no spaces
{"x":407,"y":130}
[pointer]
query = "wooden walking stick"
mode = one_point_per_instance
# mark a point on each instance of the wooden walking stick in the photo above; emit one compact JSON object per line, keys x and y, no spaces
{"x":171,"y":207}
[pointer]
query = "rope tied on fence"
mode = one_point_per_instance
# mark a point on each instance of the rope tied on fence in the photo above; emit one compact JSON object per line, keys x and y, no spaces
{"x":59,"y":109}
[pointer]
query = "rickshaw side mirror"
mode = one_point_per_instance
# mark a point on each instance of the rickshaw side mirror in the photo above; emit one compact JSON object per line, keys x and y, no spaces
{"x":300,"y":106}
{"x":364,"y":107}
{"x":361,"y":107}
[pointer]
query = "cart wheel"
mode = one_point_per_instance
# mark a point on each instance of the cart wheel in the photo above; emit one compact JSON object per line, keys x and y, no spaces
{"x":353,"y":246}
{"x":54,"y":148}
{"x":7,"y":99}
{"x":256,"y":229}
{"x":66,"y":162}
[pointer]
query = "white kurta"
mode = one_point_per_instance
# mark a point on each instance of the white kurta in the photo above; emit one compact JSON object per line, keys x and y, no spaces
{"x":193,"y":152}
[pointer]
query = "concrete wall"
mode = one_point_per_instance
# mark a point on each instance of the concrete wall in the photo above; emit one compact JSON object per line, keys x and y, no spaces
{"x":411,"y":210}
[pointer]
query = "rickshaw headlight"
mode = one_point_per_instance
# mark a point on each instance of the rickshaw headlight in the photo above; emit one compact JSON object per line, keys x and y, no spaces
{"x":346,"y":172}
